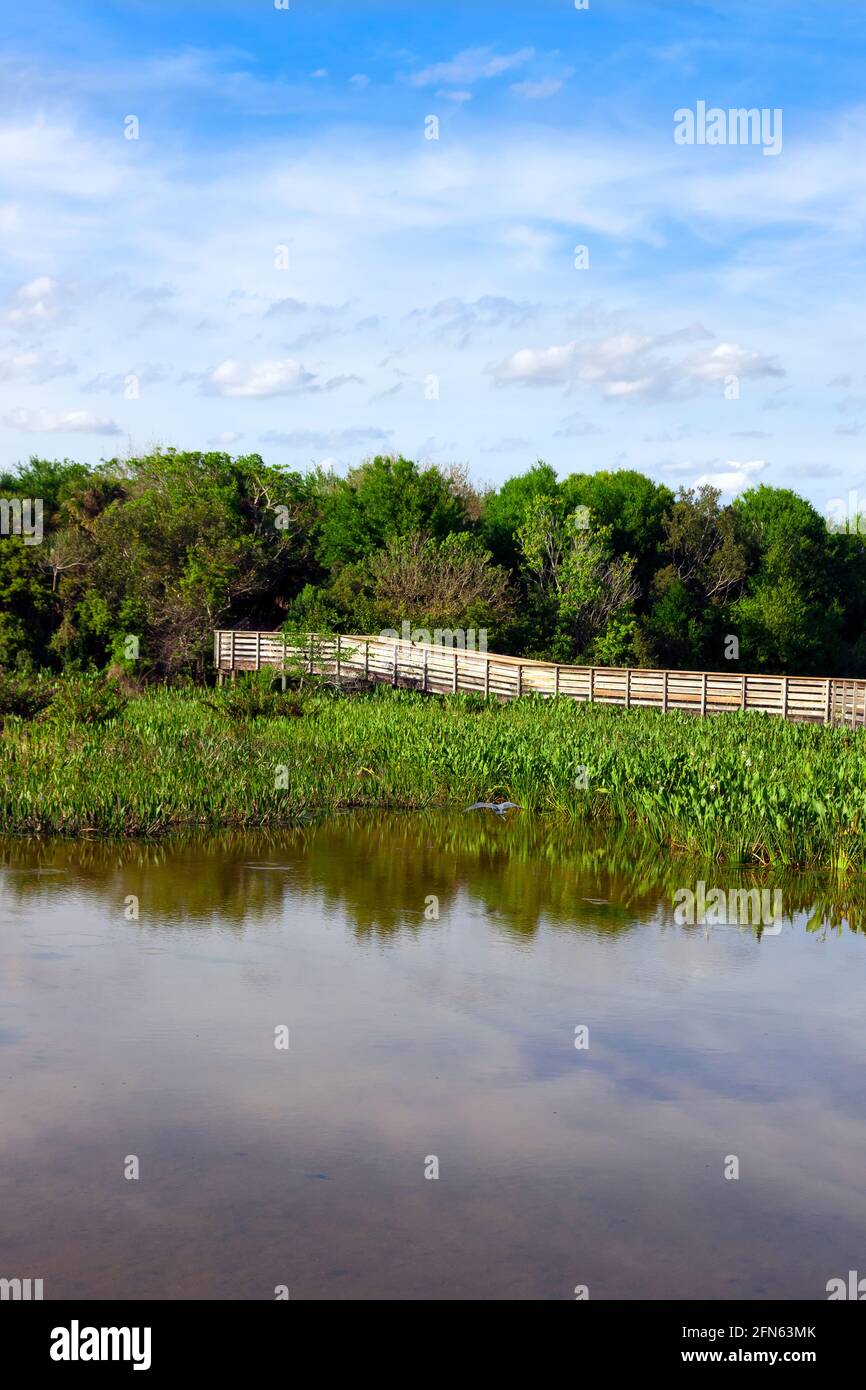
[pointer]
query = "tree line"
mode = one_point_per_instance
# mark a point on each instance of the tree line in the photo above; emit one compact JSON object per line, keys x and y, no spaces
{"x":607,"y":568}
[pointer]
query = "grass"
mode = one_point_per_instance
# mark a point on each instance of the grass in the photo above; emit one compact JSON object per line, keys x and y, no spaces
{"x":744,"y":788}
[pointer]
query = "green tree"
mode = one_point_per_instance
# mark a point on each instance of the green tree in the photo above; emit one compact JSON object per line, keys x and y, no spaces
{"x":632,"y":506}
{"x":707,"y":565}
{"x":383,"y":498}
{"x":589,"y":589}
{"x":504,"y":511}
{"x":187,"y":542}
{"x":790,"y":617}
{"x":26,"y":605}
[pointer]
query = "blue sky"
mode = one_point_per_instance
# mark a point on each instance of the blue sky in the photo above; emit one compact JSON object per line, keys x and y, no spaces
{"x":426,"y":297}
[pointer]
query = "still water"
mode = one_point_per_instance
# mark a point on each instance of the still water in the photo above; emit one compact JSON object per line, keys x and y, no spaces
{"x":414,"y":1039}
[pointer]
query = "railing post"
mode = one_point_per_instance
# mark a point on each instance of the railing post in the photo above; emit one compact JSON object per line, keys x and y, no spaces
{"x":591,"y":684}
{"x":556,"y":680}
{"x":665,"y":693}
{"x":487,"y":677}
{"x":628,"y":688}
{"x":338,"y":658}
{"x":519,"y":679}
{"x":827,"y":702}
{"x":394,"y":667}
{"x":367,"y":660}
{"x":784,"y":697}
{"x":743,"y":693}
{"x":703,"y":693}
{"x":233,"y":653}
{"x":258,"y":651}
{"x":311,"y":653}
{"x":454,"y":678}
{"x":426,"y":654}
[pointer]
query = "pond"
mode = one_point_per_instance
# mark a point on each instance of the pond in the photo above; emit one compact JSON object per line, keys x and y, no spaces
{"x":445,"y":1056}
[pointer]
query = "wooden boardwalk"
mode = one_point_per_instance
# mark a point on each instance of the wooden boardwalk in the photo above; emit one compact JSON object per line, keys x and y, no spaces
{"x":445,"y":670}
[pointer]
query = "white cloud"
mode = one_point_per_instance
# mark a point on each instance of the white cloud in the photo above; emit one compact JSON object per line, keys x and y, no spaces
{"x":34,"y":366}
{"x":464,"y":318}
{"x":727,"y":359}
{"x":224,"y":440}
{"x":733,"y":477}
{"x":273,"y":377}
{"x":471,"y":65}
{"x":492,"y":216}
{"x":33,"y":303}
{"x":290,"y":308}
{"x":627,"y":365}
{"x":538,"y":91}
{"x":347,"y":438}
{"x":68,"y":422}
{"x":115,"y":382}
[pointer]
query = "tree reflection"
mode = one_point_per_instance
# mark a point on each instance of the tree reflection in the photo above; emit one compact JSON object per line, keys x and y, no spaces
{"x":380,"y":869}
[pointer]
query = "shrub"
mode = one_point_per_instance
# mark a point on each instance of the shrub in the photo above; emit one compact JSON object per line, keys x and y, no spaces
{"x":93,"y":698}
{"x":255,"y":696}
{"x":22,"y":694}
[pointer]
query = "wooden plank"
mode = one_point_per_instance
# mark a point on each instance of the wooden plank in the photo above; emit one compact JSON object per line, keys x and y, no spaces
{"x":814,"y":699}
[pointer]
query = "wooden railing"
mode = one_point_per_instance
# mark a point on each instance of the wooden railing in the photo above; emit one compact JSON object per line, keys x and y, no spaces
{"x":446,"y":670}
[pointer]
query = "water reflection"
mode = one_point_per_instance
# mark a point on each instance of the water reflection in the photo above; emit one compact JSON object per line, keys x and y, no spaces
{"x":379,"y":869}
{"x":153,"y":1035}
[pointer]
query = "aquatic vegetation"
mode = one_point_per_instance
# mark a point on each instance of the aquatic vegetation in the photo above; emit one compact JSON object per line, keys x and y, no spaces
{"x":93,"y":698}
{"x":23,"y":695}
{"x":258,"y":696}
{"x":742,"y":787}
